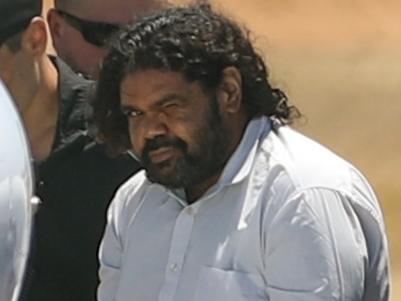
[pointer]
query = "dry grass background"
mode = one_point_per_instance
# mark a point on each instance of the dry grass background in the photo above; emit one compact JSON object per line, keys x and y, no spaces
{"x":340,"y":63}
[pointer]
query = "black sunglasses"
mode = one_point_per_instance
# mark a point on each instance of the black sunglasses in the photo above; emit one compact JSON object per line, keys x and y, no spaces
{"x":96,"y":33}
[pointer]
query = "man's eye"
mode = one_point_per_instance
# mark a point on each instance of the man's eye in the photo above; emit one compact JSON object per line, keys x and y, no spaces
{"x":131,"y":112}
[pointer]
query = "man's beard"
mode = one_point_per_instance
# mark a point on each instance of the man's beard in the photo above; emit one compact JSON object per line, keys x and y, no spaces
{"x":207,"y":157}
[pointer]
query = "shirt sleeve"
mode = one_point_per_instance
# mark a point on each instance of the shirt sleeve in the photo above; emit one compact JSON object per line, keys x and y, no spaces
{"x":110,"y":253}
{"x":315,"y":249}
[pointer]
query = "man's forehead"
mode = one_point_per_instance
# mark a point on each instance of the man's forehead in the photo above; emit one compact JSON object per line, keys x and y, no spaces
{"x":154,"y":78}
{"x":154,"y":84}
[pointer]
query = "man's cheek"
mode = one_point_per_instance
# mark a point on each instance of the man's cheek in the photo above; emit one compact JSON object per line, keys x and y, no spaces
{"x":136,"y":146}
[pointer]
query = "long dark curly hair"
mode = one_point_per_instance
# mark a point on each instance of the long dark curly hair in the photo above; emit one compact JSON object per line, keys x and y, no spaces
{"x":196,"y":41}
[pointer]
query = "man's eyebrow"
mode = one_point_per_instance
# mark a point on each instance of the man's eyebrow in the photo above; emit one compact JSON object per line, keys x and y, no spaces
{"x":124,"y":108}
{"x":169,"y":97}
{"x":159,"y":103}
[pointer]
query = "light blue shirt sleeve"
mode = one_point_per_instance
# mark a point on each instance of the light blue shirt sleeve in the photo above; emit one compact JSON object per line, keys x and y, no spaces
{"x":316,"y":250}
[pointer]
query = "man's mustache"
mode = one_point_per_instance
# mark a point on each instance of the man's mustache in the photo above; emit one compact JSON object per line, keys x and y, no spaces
{"x":161,"y":141}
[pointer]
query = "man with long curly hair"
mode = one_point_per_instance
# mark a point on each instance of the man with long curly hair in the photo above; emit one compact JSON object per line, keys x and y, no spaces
{"x":232,"y":203}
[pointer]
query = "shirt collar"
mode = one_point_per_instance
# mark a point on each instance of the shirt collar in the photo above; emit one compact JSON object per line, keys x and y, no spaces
{"x":74,"y":108}
{"x":241,"y":161}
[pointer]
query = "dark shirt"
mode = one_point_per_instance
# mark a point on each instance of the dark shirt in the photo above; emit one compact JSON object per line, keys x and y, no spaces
{"x":75,"y":184}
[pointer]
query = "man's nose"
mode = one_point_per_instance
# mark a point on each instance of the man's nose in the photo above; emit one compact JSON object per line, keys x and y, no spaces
{"x":155,"y":125}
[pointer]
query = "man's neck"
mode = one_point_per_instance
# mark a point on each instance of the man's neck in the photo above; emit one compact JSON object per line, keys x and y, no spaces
{"x":41,"y":116}
{"x":195,"y":192}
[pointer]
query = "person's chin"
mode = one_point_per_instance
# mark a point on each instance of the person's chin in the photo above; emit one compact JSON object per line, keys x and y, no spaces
{"x":162,"y":167}
{"x":162,"y":156}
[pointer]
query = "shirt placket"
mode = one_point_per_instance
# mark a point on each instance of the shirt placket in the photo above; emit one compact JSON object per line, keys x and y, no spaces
{"x":178,"y":248}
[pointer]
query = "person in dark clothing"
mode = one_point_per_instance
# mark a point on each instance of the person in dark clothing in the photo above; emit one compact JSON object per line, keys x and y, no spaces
{"x":75,"y":184}
{"x":75,"y":177}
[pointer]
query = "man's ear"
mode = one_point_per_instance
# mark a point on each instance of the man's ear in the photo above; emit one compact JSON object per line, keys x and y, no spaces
{"x":34,"y":38}
{"x":230,"y":91}
{"x":55,"y":24}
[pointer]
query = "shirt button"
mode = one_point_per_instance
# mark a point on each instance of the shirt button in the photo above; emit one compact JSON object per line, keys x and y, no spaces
{"x":189,"y":210}
{"x":174,"y":267}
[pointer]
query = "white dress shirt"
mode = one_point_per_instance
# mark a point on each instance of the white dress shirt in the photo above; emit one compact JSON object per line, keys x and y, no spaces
{"x":288,"y":220}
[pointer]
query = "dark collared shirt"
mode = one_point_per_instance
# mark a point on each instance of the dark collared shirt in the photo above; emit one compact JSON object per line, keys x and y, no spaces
{"x":75,"y":184}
